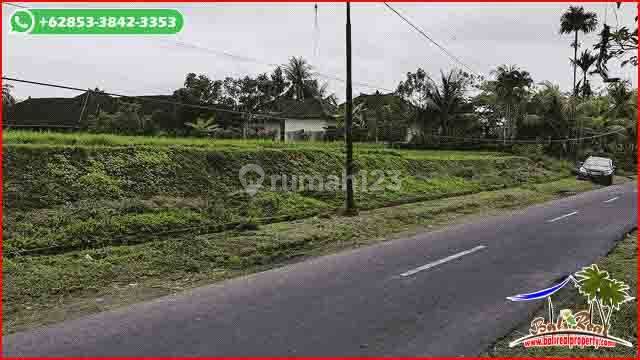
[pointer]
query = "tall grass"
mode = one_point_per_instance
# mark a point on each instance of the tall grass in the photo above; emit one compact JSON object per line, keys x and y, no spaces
{"x":26,"y":137}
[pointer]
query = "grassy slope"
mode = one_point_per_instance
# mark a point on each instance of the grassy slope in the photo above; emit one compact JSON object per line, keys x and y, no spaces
{"x":64,"y":197}
{"x":42,"y":289}
{"x":78,"y":195}
{"x":622,"y":264}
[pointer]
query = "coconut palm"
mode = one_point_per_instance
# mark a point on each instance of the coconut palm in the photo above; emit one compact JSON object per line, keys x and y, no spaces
{"x":576,"y":20}
{"x":447,"y":99}
{"x":299,"y":73}
{"x":622,"y":113}
{"x":585,"y":62}
{"x":550,"y":110}
{"x":511,"y":86}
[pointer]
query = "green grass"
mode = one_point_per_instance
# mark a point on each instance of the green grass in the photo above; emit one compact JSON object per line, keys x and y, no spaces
{"x":85,"y":214}
{"x":80,"y":195}
{"x":43,"y":289}
{"x":622,"y":264}
{"x":16,"y":137}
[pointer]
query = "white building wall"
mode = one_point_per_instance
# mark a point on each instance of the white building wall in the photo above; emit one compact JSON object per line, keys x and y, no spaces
{"x":306,"y":125}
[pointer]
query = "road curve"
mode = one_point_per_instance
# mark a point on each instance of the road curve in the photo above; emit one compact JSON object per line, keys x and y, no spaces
{"x":440,"y":293}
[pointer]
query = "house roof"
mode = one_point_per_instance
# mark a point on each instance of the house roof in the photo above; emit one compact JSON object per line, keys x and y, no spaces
{"x":309,"y":108}
{"x":379,"y":99}
{"x":66,"y":111}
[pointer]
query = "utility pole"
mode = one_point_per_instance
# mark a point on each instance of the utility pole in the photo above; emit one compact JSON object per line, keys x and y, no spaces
{"x":350,"y":205}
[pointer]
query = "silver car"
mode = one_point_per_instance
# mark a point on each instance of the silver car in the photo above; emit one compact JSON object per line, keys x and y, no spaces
{"x":598,"y":169}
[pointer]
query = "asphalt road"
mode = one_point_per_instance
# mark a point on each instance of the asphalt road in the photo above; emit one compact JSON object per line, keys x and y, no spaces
{"x":438,"y":293}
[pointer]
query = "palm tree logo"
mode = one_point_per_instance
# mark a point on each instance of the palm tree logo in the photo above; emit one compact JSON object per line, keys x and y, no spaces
{"x":603,"y":293}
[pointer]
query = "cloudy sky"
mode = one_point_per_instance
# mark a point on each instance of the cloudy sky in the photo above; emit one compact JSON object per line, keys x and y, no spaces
{"x":384,"y":47}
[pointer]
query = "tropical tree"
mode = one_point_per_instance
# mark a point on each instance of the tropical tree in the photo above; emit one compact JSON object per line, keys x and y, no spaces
{"x":128,"y":119}
{"x":197,"y":90}
{"x":621,"y":44}
{"x":576,"y":20}
{"x":299,"y":73}
{"x":622,"y":113}
{"x":278,"y":82}
{"x":203,"y":127}
{"x":7,"y":98}
{"x":445,"y":100}
{"x":548,"y":112}
{"x":585,"y":62}
{"x":511,"y":87}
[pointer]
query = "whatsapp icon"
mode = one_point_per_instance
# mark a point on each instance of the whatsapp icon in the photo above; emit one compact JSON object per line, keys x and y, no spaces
{"x":22,"y":21}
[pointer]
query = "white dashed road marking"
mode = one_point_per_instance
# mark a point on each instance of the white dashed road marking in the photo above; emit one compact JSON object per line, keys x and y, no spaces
{"x":442,"y":261}
{"x":562,"y":217}
{"x":612,"y":199}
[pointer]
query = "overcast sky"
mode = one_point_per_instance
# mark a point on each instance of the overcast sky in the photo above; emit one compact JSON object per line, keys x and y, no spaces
{"x":482,"y":35}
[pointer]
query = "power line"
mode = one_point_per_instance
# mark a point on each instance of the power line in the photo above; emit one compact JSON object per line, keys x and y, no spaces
{"x":415,"y":27}
{"x":542,"y":141}
{"x":190,"y":45}
{"x":193,"y":46}
{"x":149,"y":99}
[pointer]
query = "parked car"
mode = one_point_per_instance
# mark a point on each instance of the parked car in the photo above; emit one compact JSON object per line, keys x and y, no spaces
{"x":597,"y":169}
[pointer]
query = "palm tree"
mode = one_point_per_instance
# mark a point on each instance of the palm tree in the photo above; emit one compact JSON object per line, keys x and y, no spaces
{"x":299,"y":73}
{"x":511,"y":85}
{"x":585,"y":62}
{"x":203,"y":127}
{"x":575,"y":20}
{"x":447,"y":99}
{"x":550,"y":109}
{"x":622,"y":112}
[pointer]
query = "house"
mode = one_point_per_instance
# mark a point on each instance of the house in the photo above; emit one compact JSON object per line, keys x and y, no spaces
{"x":57,"y":113}
{"x":306,"y":119}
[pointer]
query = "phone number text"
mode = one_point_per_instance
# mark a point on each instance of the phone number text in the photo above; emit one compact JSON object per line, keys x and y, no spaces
{"x":108,"y":22}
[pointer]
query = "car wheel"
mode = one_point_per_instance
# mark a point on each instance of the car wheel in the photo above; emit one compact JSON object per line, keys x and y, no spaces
{"x":608,"y":181}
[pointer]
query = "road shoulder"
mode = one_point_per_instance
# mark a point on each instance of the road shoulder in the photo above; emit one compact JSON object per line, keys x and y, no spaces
{"x":102,"y":279}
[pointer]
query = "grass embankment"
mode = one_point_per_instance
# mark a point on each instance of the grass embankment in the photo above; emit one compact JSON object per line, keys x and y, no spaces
{"x":44,"y":289}
{"x":60,"y":197}
{"x":113,"y":214}
{"x":622,"y":264}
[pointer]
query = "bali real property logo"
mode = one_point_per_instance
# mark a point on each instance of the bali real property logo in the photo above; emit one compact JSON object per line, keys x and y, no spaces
{"x":578,"y":328}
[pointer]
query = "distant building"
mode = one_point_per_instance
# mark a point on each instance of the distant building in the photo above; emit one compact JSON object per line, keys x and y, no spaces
{"x":61,"y":113}
{"x":306,"y":119}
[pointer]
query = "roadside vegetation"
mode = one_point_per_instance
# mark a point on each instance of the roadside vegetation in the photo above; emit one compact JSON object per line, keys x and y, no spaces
{"x":64,"y":197}
{"x":49,"y":288}
{"x":622,"y":264}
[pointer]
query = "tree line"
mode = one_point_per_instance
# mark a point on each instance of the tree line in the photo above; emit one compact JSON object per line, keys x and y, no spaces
{"x":508,"y":106}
